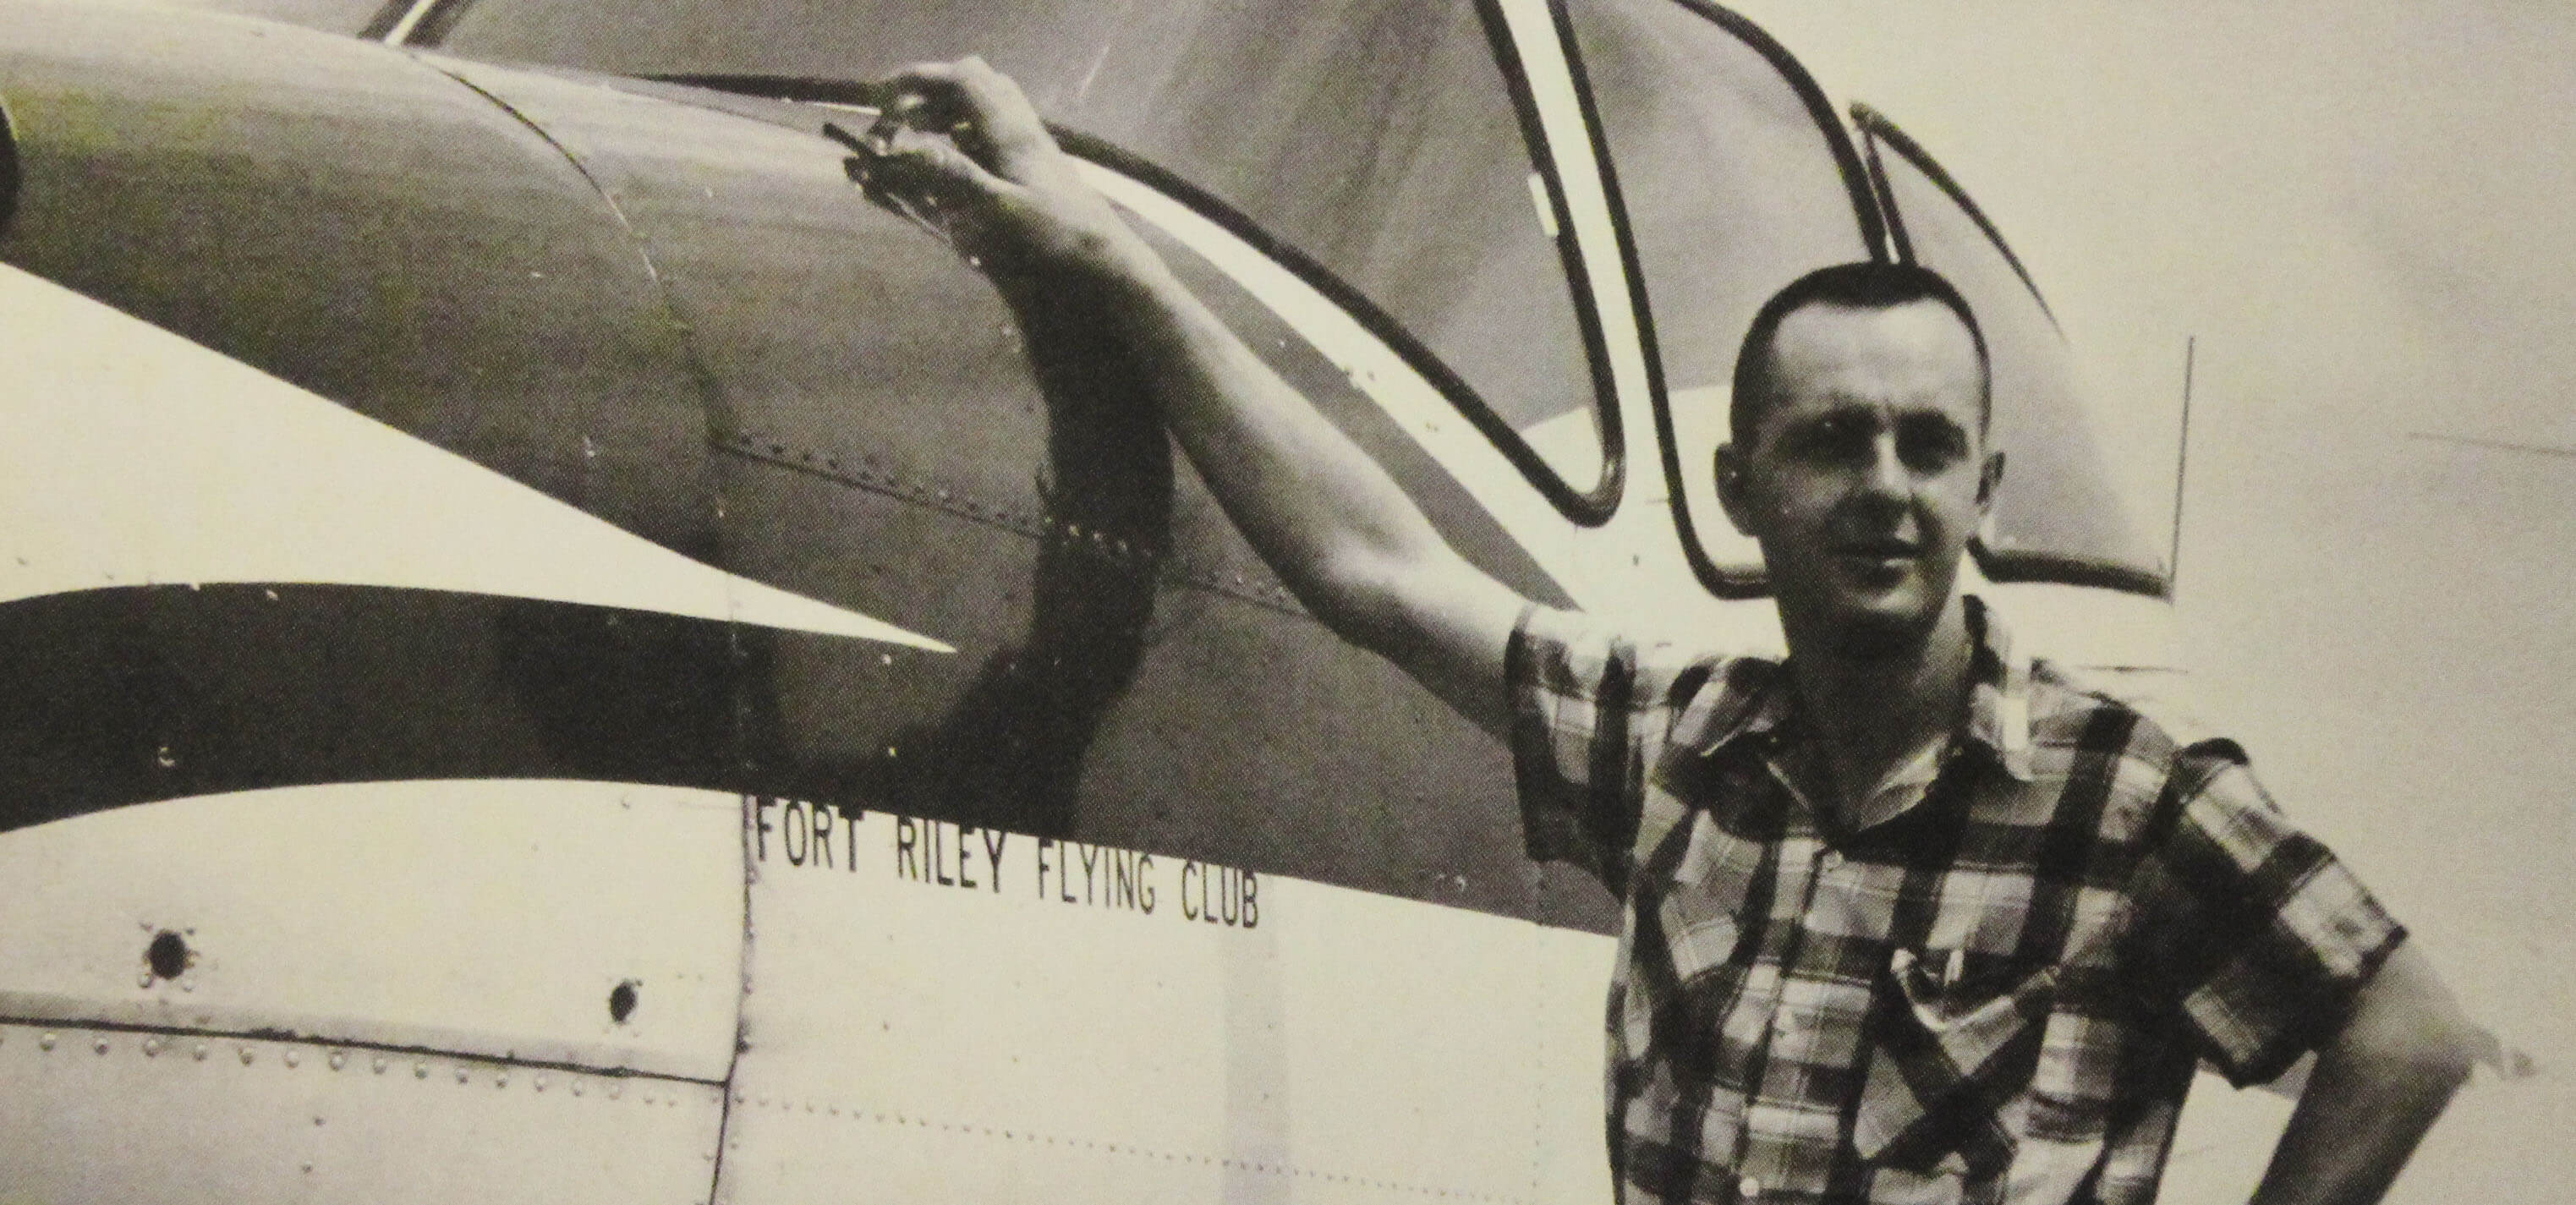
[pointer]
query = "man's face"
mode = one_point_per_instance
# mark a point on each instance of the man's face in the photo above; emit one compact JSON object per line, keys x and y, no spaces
{"x":1867,"y":471}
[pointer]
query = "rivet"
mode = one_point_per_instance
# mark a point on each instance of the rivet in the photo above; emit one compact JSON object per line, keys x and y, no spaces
{"x":339,"y":1059}
{"x":151,"y":1047}
{"x":143,"y":980}
{"x":615,"y":1089}
{"x":462,"y":1075}
{"x":247,"y":1056}
{"x":379,"y":1064}
{"x":541,"y":1081}
{"x":308,"y":1169}
{"x":502,"y":1080}
{"x":317,"y":1120}
{"x":576,"y":1087}
{"x":294,"y":1057}
{"x":199,"y":1053}
{"x":99,"y":1046}
{"x":420,"y":1070}
{"x":45,"y":1043}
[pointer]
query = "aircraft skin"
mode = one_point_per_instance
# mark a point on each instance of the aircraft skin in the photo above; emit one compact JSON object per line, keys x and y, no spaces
{"x":555,"y":654}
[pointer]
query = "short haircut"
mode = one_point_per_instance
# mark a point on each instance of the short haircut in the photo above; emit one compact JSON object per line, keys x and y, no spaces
{"x":1870,"y":285}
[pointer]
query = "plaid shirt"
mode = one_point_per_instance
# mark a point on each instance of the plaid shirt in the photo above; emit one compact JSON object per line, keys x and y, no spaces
{"x":1993,"y":989}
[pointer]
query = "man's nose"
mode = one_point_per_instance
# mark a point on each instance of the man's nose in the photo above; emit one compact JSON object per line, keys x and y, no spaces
{"x":1885,"y":474}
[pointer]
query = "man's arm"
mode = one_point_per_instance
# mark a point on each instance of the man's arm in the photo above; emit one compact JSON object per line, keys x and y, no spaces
{"x":961,"y":150}
{"x":2377,"y":1087}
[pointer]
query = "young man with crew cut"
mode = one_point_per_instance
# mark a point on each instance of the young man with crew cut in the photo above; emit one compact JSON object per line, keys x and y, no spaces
{"x":1909,"y":917}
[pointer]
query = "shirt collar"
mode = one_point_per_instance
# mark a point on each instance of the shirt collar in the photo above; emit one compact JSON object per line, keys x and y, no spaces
{"x":1750,"y":699}
{"x":1998,"y":693}
{"x":1754,"y":698}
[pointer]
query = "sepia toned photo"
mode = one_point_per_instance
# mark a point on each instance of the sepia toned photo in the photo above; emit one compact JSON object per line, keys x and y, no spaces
{"x":1338,"y":601}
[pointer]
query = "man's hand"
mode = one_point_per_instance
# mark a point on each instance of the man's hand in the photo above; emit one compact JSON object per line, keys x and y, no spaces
{"x":958,"y":149}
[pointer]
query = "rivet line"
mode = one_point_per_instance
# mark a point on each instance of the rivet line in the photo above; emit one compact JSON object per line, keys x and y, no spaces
{"x":874,"y":476}
{"x":152,"y":1045}
{"x":1286,"y":1171}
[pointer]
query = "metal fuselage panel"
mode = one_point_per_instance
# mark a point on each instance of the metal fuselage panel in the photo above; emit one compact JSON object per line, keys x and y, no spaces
{"x":521,"y":991}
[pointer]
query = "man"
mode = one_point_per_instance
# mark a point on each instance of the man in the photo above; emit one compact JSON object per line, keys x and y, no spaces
{"x":1908,"y":918}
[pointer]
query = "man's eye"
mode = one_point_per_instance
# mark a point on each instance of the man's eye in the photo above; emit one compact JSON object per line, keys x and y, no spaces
{"x":1832,"y":439}
{"x":1930,"y":445}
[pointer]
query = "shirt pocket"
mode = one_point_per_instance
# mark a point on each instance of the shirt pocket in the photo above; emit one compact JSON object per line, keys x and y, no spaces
{"x":1945,"y":1060}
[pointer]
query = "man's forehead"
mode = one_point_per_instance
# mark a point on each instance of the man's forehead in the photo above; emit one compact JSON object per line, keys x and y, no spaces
{"x":1917,"y":353}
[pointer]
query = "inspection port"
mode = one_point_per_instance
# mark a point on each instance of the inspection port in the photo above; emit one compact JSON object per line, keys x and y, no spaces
{"x":167,"y":955}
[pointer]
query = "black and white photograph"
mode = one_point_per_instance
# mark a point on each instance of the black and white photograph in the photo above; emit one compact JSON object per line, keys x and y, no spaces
{"x":1818,"y":602}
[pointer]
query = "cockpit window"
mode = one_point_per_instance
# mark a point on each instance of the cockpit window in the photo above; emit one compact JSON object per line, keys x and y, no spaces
{"x":2060,"y":515}
{"x":1732,"y":187}
{"x":1736,"y":177}
{"x":1377,"y":139}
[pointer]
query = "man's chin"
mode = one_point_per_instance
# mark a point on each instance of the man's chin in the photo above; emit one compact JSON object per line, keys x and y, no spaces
{"x":1890,"y":629}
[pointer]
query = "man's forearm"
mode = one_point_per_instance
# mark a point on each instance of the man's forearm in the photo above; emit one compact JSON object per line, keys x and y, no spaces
{"x":1314,"y":505}
{"x":1317,"y":508}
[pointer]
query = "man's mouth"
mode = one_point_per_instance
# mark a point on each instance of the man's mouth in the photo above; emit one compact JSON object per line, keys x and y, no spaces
{"x":1878,"y":550}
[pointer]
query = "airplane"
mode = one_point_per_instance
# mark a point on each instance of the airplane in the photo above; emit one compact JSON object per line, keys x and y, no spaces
{"x":555,"y":654}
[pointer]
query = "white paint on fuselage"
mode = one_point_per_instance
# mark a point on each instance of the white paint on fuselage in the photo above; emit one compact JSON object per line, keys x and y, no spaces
{"x":969,"y":1015}
{"x":490,"y":918}
{"x":136,"y":457}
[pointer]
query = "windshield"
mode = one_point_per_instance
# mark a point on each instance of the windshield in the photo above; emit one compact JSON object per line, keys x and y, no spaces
{"x":1378,"y":139}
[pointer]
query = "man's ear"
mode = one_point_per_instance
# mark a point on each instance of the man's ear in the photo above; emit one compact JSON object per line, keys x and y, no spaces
{"x":1733,"y":493}
{"x":1989,"y":479}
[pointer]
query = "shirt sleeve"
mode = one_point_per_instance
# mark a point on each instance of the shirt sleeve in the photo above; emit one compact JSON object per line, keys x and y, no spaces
{"x":2260,"y":934}
{"x":1591,"y":712}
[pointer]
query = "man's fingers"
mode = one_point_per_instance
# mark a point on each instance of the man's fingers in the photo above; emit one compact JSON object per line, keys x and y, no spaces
{"x":857,"y":145}
{"x":957,"y":150}
{"x":924,"y":169}
{"x":929,"y":183}
{"x":979,"y":108}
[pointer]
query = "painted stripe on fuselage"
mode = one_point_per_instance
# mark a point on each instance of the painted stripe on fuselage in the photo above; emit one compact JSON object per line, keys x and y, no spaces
{"x":170,"y":463}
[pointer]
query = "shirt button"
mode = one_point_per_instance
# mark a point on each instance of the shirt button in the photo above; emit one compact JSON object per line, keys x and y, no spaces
{"x":1748,"y":1188}
{"x":1829,"y":859}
